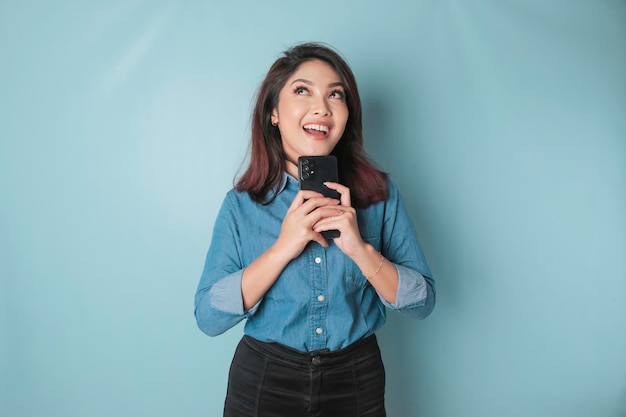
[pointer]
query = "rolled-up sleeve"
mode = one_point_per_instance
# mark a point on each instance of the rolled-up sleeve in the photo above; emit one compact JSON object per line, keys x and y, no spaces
{"x":225,"y":295}
{"x":416,"y":293}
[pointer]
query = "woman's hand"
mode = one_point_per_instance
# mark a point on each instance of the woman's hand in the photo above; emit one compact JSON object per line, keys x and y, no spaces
{"x":342,"y":218}
{"x":297,"y":228}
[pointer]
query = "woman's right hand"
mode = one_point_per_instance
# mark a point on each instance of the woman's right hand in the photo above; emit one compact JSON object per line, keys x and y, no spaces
{"x":297,"y":228}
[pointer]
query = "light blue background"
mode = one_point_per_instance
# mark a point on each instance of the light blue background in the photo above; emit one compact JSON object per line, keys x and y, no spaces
{"x":123,"y":123}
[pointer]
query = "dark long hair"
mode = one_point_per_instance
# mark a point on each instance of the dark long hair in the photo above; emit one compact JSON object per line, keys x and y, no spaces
{"x":267,"y":160}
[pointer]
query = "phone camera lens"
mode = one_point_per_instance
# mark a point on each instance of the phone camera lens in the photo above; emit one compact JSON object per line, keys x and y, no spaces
{"x":305,"y":175}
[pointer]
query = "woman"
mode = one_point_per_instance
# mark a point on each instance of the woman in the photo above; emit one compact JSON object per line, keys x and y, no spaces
{"x":311,"y":306}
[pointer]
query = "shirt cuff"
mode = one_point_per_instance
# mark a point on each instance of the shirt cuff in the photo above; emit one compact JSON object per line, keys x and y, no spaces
{"x":226,"y":295}
{"x":412,"y":289}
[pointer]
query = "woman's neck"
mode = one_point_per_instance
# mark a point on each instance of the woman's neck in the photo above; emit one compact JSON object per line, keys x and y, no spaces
{"x":291,"y":168}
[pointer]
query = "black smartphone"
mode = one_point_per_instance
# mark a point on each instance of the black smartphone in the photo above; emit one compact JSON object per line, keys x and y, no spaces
{"x":313,"y":172}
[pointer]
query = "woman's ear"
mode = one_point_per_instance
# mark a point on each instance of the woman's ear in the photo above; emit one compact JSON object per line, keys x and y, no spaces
{"x":274,"y":118}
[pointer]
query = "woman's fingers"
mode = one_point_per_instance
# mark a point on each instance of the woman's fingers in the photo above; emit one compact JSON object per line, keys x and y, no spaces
{"x":310,"y":213}
{"x":310,"y":200}
{"x":332,"y":216}
{"x":297,"y":228}
{"x":302,"y":196}
{"x":342,"y":190}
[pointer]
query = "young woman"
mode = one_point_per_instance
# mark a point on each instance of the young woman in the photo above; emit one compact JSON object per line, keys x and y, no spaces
{"x":311,"y":306}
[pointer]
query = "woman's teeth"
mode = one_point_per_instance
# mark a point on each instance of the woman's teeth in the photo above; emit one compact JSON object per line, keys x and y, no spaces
{"x":319,"y":128}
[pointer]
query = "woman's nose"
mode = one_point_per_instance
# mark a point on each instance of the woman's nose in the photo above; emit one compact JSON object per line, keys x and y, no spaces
{"x":321,"y":107}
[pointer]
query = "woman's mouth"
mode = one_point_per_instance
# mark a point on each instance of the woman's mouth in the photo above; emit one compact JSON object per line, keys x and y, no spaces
{"x":316,"y":129}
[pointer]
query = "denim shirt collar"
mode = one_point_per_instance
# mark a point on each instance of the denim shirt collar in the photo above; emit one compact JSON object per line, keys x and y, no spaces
{"x":280,"y":186}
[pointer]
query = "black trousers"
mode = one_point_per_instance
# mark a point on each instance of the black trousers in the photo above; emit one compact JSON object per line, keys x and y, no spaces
{"x":273,"y":380}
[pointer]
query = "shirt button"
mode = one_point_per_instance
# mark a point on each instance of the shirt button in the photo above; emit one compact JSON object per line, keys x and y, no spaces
{"x":318,"y":260}
{"x":320,"y":298}
{"x":319,"y":330}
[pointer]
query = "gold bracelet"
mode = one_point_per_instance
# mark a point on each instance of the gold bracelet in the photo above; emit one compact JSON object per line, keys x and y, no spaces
{"x":382,"y":259}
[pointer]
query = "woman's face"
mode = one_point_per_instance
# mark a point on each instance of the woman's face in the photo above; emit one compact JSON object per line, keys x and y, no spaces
{"x":311,"y":113}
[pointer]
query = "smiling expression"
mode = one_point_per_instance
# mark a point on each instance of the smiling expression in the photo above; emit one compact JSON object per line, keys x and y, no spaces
{"x":312,"y":112}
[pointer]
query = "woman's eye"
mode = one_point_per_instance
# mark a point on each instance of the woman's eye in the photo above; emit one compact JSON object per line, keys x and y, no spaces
{"x":301,"y":90}
{"x":338,"y":94}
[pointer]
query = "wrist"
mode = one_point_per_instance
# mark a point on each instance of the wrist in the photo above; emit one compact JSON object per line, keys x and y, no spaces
{"x":378,"y":268}
{"x":280,"y":254}
{"x":369,"y":260}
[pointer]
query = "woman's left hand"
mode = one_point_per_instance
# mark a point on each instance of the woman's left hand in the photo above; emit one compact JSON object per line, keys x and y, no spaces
{"x":342,"y":218}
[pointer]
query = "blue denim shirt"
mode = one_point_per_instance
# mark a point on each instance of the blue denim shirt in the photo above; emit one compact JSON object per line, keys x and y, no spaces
{"x":321,"y":300}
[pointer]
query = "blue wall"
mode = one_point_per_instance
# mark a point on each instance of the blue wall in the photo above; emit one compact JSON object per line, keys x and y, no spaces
{"x":122,"y":125}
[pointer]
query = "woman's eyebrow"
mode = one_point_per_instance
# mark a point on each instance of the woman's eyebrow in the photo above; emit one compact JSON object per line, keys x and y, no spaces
{"x":302,"y":80}
{"x":307,"y":82}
